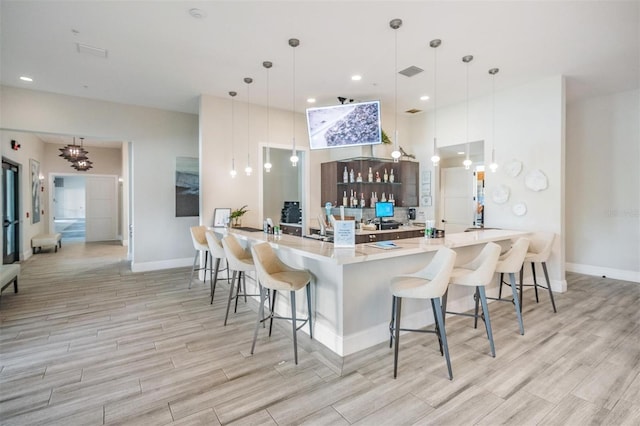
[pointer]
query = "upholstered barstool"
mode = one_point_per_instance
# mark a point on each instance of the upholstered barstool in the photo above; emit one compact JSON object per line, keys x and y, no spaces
{"x":217,"y":252}
{"x":539,"y":252}
{"x":478,"y":273}
{"x":429,"y":283}
{"x":275,"y":275}
{"x":200,"y":245}
{"x":509,"y":263}
{"x":240,"y":262}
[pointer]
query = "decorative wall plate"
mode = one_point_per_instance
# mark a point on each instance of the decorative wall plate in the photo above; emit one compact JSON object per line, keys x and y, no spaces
{"x":500,"y":194}
{"x":513,"y":168}
{"x":536,"y":180}
{"x":519,"y":209}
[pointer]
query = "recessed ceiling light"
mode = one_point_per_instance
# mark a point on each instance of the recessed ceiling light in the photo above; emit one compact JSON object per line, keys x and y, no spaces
{"x":311,"y":100}
{"x":197,"y":13}
{"x":460,"y":152}
{"x":25,"y":78}
{"x":424,"y":98}
{"x":356,"y":77}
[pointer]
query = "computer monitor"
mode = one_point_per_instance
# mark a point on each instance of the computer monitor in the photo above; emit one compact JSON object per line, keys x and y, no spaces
{"x":384,"y":209}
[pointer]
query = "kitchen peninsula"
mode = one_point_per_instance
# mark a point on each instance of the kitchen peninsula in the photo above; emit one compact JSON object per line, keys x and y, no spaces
{"x":351,"y":297}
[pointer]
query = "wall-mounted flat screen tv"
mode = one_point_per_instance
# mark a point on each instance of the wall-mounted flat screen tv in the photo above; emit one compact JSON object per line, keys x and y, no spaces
{"x":344,"y":125}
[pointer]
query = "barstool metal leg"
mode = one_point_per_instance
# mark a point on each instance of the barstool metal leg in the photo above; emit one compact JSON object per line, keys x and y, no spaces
{"x":442,"y":334}
{"x":500,"y":286}
{"x":546,"y":275}
{"x":392,"y":321}
{"x":475,"y":317}
{"x":521,"y":285}
{"x":214,"y":279}
{"x":512,"y":278}
{"x":487,"y":320}
{"x":233,"y":281}
{"x":435,"y":317}
{"x":238,"y":289}
{"x":309,"y":313}
{"x":193,"y":268}
{"x":535,"y":281}
{"x":273,"y":309}
{"x":260,"y":318}
{"x":292,"y":295}
{"x":396,"y":330}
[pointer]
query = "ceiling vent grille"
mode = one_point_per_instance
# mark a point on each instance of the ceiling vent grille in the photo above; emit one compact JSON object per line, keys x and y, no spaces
{"x":92,"y":50}
{"x":411,"y":71}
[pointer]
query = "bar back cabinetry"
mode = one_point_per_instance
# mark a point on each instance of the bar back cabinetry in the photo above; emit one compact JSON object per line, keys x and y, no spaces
{"x":402,"y":181}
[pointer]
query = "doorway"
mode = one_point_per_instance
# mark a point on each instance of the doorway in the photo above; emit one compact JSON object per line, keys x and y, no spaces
{"x":11,"y":212}
{"x":69,"y":207}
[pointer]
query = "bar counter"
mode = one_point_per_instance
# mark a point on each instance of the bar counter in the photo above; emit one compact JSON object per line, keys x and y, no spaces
{"x":351,"y":298}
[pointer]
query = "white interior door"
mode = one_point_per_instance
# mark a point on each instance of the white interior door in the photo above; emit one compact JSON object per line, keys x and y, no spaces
{"x":457,"y":199}
{"x":101,"y":208}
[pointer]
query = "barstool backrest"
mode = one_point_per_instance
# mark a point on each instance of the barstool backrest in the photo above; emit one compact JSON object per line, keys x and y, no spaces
{"x":438,"y":272}
{"x":512,"y":260}
{"x":483,"y":266}
{"x":198,"y":238}
{"x":540,"y":247}
{"x":237,"y":257}
{"x":215,"y":245}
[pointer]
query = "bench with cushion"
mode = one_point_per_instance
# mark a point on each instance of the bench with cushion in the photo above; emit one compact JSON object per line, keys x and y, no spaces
{"x":46,"y":241}
{"x":9,"y":274}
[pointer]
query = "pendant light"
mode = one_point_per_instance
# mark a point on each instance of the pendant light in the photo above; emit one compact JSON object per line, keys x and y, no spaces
{"x":435,"y":159}
{"x":493,"y":166}
{"x":73,"y":152}
{"x":248,"y":170}
{"x":233,"y":172}
{"x":294,"y":42}
{"x":267,"y":163}
{"x":467,"y":162}
{"x":395,"y":154}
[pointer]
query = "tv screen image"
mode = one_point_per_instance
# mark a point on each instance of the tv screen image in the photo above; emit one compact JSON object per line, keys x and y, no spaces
{"x":344,"y":125}
{"x":384,"y":209}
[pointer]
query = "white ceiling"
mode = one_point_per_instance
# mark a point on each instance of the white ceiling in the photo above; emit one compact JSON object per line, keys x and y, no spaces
{"x":160,"y":56}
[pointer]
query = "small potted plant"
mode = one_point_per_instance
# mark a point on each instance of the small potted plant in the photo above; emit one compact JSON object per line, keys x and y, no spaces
{"x":236,"y":216}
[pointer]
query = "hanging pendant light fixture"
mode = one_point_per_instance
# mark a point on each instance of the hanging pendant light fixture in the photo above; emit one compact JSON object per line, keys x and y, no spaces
{"x":267,"y":163}
{"x":396,"y":154}
{"x":435,"y":159}
{"x":294,"y":42}
{"x":81,"y":162}
{"x":73,"y":152}
{"x":248,"y":170}
{"x":233,"y":171}
{"x":467,"y":162}
{"x":493,"y":166}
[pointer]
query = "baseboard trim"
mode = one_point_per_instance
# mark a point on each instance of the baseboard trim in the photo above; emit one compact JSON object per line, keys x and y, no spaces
{"x":161,"y":264}
{"x":600,"y":271}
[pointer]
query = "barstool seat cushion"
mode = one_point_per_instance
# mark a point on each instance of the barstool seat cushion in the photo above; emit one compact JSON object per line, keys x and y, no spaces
{"x":511,"y":261}
{"x":198,"y":237}
{"x":540,"y":247}
{"x":413,"y":287}
{"x":288,"y":280}
{"x":239,"y":259}
{"x":479,"y":271}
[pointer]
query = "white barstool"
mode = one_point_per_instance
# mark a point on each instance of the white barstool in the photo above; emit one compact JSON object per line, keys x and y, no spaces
{"x":217,"y":252}
{"x":511,"y":262}
{"x":240,"y":262}
{"x":276,"y":276}
{"x":478,"y":273}
{"x":429,"y":283}
{"x":539,"y":252}
{"x":200,"y":245}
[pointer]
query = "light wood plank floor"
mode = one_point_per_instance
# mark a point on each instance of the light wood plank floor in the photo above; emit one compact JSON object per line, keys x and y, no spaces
{"x":86,"y":342}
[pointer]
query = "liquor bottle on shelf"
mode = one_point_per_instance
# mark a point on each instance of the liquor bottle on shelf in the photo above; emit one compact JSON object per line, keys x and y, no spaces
{"x":362,"y":202}
{"x":345,"y":175}
{"x":386,"y":176}
{"x":384,"y":198}
{"x":377,"y":176}
{"x":370,"y":177}
{"x":392,"y":178}
{"x":359,"y":177}
{"x":344,"y":199}
{"x":352,"y":176}
{"x":392,"y":200}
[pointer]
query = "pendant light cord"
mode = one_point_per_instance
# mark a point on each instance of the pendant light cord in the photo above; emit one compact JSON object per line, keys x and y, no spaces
{"x":293,"y":101}
{"x":395,"y":101}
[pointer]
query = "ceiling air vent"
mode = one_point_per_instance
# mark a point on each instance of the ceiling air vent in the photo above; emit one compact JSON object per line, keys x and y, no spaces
{"x":411,"y":71}
{"x":92,"y":50}
{"x":413,"y":111}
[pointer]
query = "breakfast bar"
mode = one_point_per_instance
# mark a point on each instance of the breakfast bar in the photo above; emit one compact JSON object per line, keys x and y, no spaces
{"x":351,"y":299}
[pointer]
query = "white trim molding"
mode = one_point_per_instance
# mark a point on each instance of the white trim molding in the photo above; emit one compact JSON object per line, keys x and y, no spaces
{"x":601,"y":271}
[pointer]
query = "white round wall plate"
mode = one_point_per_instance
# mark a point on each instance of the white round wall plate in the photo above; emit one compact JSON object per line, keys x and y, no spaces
{"x":500,"y":194}
{"x":519,"y":209}
{"x":513,"y":168}
{"x":536,"y":180}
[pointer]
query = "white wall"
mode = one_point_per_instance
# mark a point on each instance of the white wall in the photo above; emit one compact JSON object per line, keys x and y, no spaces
{"x":603,"y":182}
{"x":529,"y":126}
{"x":160,"y":239}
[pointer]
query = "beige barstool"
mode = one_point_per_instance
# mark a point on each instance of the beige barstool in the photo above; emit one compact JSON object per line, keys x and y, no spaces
{"x":478,"y":273}
{"x":240,"y":262}
{"x":275,"y":275}
{"x":429,"y":283}
{"x":539,"y":252}
{"x":217,"y":252}
{"x":200,"y":245}
{"x":509,"y":263}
